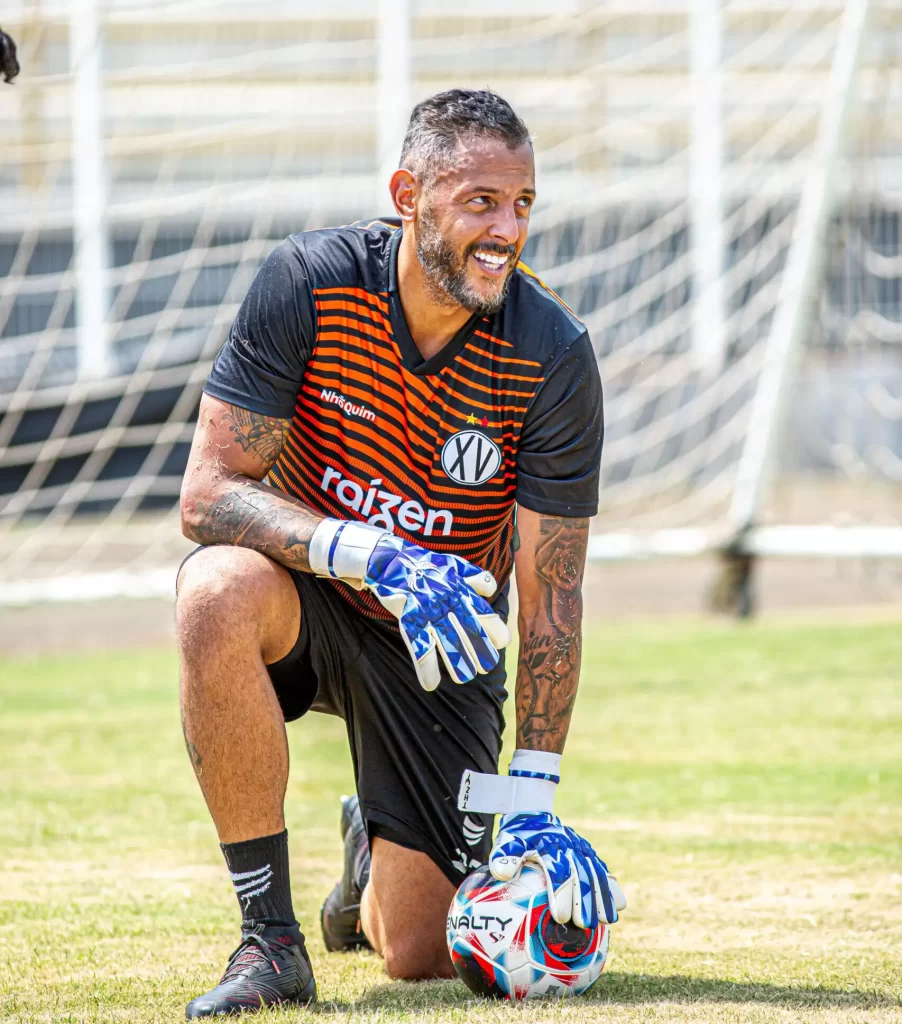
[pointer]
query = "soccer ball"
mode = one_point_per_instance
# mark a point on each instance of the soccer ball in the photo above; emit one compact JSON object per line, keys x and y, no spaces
{"x":505,"y":944}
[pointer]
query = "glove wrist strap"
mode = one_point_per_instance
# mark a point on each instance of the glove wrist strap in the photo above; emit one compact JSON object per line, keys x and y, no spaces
{"x":342,"y":549}
{"x":504,"y":794}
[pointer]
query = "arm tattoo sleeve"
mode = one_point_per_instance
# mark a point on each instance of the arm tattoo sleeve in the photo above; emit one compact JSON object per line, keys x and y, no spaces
{"x":551,"y":641}
{"x":252,"y":515}
{"x":232,"y":508}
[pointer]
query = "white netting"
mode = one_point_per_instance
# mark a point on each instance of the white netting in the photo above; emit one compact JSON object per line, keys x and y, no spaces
{"x":228,"y":126}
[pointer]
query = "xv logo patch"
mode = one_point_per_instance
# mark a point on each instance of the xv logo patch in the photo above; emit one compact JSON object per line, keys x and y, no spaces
{"x":470,"y":458}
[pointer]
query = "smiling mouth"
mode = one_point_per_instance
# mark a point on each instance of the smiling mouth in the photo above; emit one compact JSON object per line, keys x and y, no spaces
{"x":491,"y":263}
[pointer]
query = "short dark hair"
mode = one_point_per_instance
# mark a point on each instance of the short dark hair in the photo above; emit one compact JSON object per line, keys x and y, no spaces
{"x":438,"y":124}
{"x":9,"y":66}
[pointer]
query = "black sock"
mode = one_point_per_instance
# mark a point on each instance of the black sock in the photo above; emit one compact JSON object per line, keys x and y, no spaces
{"x":259,"y":870}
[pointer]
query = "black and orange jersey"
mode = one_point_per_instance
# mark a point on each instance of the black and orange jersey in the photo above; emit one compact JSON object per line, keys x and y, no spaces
{"x":438,"y":450}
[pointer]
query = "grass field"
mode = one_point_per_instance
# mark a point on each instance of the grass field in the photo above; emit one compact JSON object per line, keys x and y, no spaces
{"x":745,"y":784}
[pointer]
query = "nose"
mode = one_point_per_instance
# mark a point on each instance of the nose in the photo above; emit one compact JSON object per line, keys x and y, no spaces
{"x":506,"y":225}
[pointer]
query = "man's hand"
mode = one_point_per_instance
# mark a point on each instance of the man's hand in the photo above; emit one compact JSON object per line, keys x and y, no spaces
{"x":438,"y":599}
{"x":579,"y":886}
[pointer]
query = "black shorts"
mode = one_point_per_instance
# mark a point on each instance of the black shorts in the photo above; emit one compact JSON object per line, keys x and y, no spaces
{"x":409,"y":746}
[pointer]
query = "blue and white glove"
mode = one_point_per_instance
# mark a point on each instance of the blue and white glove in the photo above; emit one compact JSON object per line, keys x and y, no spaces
{"x":577,"y":880}
{"x":579,"y":886}
{"x":438,"y":599}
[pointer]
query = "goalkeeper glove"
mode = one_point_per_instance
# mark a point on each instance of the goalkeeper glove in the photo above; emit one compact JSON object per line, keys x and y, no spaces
{"x":577,"y":881}
{"x":438,"y":599}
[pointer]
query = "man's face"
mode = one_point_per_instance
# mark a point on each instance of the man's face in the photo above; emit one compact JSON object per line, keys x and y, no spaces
{"x":472,"y":221}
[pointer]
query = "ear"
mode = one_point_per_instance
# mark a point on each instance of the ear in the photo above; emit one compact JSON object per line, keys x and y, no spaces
{"x":405,"y":190}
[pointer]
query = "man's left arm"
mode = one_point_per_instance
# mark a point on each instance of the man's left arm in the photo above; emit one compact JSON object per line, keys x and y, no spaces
{"x":549,"y":560}
{"x":558,"y":461}
{"x":549,"y":571}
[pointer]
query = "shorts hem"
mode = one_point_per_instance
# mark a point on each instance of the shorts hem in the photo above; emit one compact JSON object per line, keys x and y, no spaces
{"x":411,"y":839}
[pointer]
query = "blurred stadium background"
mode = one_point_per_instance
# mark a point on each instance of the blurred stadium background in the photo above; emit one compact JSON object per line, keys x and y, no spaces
{"x":719,"y":200}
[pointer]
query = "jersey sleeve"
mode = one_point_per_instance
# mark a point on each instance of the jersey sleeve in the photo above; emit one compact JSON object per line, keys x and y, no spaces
{"x":559,"y":458}
{"x":261,"y":365}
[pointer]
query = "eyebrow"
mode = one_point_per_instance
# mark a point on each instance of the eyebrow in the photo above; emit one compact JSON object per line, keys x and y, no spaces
{"x":497,"y":191}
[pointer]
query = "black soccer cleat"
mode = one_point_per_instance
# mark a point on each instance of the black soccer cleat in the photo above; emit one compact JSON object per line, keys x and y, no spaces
{"x":265,"y":970}
{"x":340,"y":916}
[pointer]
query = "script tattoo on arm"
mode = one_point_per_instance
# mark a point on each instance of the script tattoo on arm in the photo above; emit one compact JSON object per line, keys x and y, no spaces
{"x":224,"y":500}
{"x":550,"y":632}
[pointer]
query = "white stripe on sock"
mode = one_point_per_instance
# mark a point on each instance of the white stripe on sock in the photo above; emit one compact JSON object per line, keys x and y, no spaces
{"x":256,"y":892}
{"x":241,"y":889}
{"x":242,"y":875}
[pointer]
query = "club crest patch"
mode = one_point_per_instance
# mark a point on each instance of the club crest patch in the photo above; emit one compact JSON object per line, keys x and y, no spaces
{"x":470,"y":458}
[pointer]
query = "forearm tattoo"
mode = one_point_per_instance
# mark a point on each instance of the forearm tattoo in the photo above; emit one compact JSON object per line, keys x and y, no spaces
{"x":550,"y":650}
{"x":252,"y":515}
{"x":240,"y":510}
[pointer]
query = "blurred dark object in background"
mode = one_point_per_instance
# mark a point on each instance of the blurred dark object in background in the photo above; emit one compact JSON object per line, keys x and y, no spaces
{"x":9,"y":66}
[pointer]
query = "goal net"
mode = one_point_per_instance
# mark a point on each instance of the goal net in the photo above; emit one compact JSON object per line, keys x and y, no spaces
{"x":740,"y":277}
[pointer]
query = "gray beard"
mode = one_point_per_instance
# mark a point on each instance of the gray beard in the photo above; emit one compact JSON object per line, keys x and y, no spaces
{"x":446,"y":273}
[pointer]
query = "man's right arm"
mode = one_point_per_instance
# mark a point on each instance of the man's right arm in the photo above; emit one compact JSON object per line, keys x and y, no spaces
{"x":223,"y":500}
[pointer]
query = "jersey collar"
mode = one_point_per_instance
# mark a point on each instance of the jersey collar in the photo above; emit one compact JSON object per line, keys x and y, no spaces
{"x":410,"y":354}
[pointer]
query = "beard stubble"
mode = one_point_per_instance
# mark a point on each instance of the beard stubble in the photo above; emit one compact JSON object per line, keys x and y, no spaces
{"x":446,"y":271}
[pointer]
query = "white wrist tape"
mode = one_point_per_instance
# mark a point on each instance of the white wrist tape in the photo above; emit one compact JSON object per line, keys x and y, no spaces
{"x":342,"y":549}
{"x":529,"y":788}
{"x":536,"y":764}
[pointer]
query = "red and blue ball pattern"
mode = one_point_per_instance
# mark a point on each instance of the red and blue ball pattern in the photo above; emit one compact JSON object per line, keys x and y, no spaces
{"x":504,"y":943}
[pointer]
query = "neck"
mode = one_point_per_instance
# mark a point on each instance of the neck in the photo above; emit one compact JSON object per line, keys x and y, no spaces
{"x":431,"y":324}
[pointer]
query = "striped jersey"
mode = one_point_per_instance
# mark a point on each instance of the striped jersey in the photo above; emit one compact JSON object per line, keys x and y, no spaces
{"x":437,"y":450}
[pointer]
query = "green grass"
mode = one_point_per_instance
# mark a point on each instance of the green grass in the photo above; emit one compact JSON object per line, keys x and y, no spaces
{"x":746,"y":785}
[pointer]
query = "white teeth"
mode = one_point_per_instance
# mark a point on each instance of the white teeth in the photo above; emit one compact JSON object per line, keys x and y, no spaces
{"x":492,"y":258}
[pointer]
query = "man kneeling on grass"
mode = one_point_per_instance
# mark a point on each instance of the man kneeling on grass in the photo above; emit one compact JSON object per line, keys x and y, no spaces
{"x":402,"y":413}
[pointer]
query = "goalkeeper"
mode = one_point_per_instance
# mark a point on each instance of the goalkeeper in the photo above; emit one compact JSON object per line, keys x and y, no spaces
{"x":402,"y":413}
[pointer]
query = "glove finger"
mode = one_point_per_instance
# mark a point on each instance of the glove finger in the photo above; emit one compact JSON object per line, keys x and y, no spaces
{"x":473,"y":640}
{"x":496,"y":630}
{"x":462,"y":667}
{"x":481,"y":581}
{"x":606,"y":900}
{"x":393,"y":600}
{"x":509,"y":844}
{"x":422,"y":652}
{"x":587,"y":892}
{"x":471,"y":633}
{"x":617,"y":893}
{"x":419,"y":638}
{"x":507,"y":856}
{"x":561,"y":899}
{"x":428,"y":671}
{"x":560,"y":876}
{"x":606,"y":904}
{"x":558,"y":895}
{"x":505,"y":868}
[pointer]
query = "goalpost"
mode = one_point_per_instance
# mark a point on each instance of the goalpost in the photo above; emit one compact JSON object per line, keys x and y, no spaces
{"x":706,"y":206}
{"x":739,"y":538}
